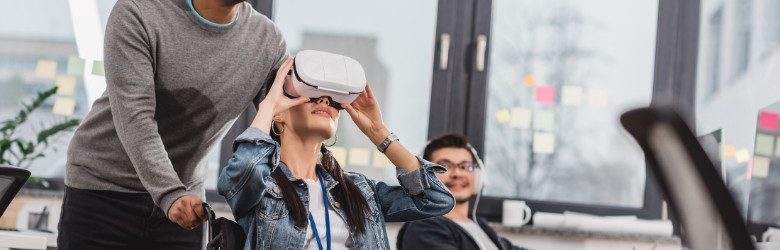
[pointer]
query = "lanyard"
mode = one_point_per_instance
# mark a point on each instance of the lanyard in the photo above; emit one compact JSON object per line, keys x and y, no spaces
{"x":327,"y":218}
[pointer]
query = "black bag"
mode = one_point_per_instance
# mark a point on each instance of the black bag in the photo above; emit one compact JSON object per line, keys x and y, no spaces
{"x":224,"y":234}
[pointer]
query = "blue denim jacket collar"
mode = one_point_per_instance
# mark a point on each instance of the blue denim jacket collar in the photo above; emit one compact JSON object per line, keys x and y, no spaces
{"x":330,"y":182}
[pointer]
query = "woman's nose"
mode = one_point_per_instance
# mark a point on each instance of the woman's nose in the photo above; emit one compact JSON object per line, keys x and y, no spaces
{"x":323,"y":99}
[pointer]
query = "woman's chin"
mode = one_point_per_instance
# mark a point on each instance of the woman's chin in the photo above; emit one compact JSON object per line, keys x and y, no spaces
{"x":326,"y":130}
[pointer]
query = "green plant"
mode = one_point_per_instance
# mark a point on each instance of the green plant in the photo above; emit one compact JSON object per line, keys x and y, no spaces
{"x":21,"y":152}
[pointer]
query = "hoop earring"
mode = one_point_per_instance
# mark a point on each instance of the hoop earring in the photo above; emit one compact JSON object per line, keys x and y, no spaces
{"x":334,"y":142}
{"x":273,"y":129}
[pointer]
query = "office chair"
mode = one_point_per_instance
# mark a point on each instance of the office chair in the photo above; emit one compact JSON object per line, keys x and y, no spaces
{"x":11,"y":180}
{"x":695,"y":191}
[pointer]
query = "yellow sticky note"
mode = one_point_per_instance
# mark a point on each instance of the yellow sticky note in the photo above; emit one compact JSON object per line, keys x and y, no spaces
{"x":728,"y":150}
{"x":98,"y":68}
{"x":597,"y":97}
{"x":529,"y":80}
{"x":521,"y":118}
{"x":571,"y":95}
{"x":381,"y":161}
{"x":764,"y":144}
{"x":46,"y":69}
{"x":760,"y":167}
{"x":742,"y":155}
{"x":544,"y":120}
{"x":66,"y":85}
{"x":340,"y":153}
{"x":359,"y":157}
{"x":544,"y":143}
{"x":503,"y":116}
{"x":75,"y":66}
{"x":64,"y":106}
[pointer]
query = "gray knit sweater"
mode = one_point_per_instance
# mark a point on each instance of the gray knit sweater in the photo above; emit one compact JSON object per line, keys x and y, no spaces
{"x":175,"y":83}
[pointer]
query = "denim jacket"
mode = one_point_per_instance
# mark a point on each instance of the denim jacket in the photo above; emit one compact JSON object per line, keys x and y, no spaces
{"x":257,"y":203}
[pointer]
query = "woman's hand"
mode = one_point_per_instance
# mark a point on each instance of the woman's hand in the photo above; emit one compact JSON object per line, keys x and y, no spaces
{"x":275,"y":101}
{"x":367,"y":116}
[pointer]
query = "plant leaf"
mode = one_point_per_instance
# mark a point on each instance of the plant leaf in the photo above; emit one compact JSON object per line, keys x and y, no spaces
{"x":44,"y":135}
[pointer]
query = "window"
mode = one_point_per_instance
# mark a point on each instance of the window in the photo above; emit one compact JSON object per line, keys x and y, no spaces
{"x":743,"y":24}
{"x":38,"y":39}
{"x":714,"y":35}
{"x":561,"y":73}
{"x":36,"y":54}
{"x":394,"y":43}
{"x":744,"y":109}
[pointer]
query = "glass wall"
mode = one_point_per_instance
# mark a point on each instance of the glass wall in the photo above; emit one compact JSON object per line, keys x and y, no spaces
{"x":394,"y":42}
{"x":56,"y":43}
{"x":737,"y":93}
{"x":561,"y":73}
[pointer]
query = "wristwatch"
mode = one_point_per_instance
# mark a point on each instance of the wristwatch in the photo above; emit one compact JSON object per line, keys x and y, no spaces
{"x":382,"y":147}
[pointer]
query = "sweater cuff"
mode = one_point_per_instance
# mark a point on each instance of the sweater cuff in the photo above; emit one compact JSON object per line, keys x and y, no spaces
{"x":167,"y":200}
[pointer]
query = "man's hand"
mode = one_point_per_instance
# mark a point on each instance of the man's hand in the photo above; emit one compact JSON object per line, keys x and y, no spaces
{"x":187,"y":211}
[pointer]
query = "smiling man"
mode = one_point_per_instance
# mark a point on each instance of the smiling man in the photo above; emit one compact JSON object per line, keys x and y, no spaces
{"x":457,"y":229}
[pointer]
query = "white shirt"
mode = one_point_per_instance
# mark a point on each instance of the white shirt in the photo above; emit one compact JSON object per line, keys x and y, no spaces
{"x":339,"y":231}
{"x":472,"y":228}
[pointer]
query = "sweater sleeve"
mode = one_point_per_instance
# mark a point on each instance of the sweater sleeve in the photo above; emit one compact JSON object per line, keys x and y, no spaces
{"x":130,"y":84}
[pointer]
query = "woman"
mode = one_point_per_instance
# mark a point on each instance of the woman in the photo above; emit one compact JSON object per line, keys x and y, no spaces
{"x":274,"y":181}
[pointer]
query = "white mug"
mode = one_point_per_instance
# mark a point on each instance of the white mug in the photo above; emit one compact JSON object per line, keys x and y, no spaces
{"x":771,"y":234}
{"x":516,"y":213}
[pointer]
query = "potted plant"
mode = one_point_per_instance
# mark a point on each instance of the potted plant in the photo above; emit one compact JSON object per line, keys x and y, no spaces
{"x":21,"y":152}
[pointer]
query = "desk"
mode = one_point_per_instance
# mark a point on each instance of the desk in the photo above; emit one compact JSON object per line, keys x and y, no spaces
{"x":562,"y":239}
{"x":27,"y":240}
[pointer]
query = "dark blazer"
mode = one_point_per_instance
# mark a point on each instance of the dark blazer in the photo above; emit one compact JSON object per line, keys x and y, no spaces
{"x":442,"y":233}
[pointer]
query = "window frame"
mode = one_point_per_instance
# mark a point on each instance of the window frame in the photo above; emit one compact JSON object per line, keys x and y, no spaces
{"x":674,"y":85}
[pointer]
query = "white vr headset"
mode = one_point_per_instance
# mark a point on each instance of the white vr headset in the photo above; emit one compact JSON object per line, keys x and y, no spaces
{"x":316,"y":74}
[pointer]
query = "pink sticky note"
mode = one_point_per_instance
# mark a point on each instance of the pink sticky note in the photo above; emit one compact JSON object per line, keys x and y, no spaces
{"x":545,"y":94}
{"x":768,"y":120}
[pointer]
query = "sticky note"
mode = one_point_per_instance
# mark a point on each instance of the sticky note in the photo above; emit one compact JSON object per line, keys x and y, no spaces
{"x":571,"y":95}
{"x":597,"y":97}
{"x":340,"y":153}
{"x":768,"y":120}
{"x":66,"y":85}
{"x":764,"y":144}
{"x":64,"y":106}
{"x":544,"y":143}
{"x":760,"y":167}
{"x":728,"y":150}
{"x":503,"y":116}
{"x":359,"y":157}
{"x":544,"y":120}
{"x":545,"y":94}
{"x":46,"y":69}
{"x":75,"y":66}
{"x":742,"y":155}
{"x":98,"y":69}
{"x":529,"y":80}
{"x":521,"y":118}
{"x":381,"y":161}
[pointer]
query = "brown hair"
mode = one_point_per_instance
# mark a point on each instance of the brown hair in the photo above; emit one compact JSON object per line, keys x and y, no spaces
{"x":346,"y":192}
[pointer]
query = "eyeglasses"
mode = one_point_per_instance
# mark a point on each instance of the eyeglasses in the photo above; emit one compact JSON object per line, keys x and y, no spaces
{"x":463,"y":166}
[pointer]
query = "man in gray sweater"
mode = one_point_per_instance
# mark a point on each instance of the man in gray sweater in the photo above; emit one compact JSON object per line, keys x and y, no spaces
{"x":178,"y":73}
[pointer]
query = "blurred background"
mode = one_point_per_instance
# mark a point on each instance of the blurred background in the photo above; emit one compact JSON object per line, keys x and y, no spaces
{"x":537,"y":85}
